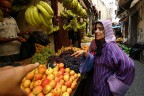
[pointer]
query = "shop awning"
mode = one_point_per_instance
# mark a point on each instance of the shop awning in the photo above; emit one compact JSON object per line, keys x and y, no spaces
{"x":124,"y":7}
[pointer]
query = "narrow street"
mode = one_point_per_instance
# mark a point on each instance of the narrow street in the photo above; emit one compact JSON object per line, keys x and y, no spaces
{"x":137,"y":88}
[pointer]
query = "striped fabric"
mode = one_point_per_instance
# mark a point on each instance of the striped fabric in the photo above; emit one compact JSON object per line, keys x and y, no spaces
{"x":109,"y":34}
{"x":114,"y":71}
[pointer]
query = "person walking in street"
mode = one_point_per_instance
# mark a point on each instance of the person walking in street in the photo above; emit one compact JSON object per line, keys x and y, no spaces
{"x":10,"y":35}
{"x":113,"y":71}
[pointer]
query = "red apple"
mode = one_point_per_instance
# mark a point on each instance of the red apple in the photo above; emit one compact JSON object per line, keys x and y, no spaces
{"x":38,"y":76}
{"x":62,"y":69}
{"x":68,"y":84}
{"x":45,"y":82}
{"x":57,"y":79}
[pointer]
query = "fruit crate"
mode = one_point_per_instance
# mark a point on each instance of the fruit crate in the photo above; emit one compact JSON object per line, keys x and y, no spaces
{"x":77,"y":91}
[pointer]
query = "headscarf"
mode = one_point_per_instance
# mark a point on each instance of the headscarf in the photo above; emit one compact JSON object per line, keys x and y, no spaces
{"x":109,"y":35}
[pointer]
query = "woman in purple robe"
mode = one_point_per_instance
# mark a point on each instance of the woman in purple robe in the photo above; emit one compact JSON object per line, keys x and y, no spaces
{"x":114,"y":71}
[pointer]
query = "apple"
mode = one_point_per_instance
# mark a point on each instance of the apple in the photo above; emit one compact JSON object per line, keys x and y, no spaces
{"x":49,"y":71}
{"x":66,"y":77}
{"x":68,"y":84}
{"x":37,"y":89}
{"x":69,"y":90}
{"x":56,"y":68}
{"x":45,"y":82}
{"x":40,"y":94}
{"x":31,"y":85}
{"x":31,"y":94}
{"x":62,"y":69}
{"x":76,"y":76}
{"x":73,"y":85}
{"x":41,"y":69}
{"x":44,"y":76}
{"x":47,"y":89}
{"x":26,"y":83}
{"x":61,"y":72}
{"x":28,"y":90}
{"x":52,"y":83}
{"x":58,"y":85}
{"x":30,"y":75}
{"x":62,"y":81}
{"x":61,"y":65}
{"x":65,"y":94}
{"x":49,"y":94}
{"x":51,"y":77}
{"x":56,"y":92}
{"x":57,"y":79}
{"x":79,"y":75}
{"x":72,"y":77}
{"x":72,"y":72}
{"x":36,"y":83}
{"x":56,"y":73}
{"x":64,"y":88}
{"x":61,"y":77}
{"x":67,"y":70}
{"x":38,"y":76}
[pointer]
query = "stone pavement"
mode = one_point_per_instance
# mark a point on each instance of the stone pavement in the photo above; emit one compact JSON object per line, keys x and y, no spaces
{"x":137,"y":88}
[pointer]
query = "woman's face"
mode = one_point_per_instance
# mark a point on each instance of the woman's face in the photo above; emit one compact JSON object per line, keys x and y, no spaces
{"x":99,"y":32}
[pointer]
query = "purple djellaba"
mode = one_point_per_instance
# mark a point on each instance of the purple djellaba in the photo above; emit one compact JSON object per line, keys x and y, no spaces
{"x":113,"y":71}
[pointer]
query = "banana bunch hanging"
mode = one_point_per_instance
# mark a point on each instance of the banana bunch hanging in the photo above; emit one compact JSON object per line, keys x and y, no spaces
{"x":75,"y":6}
{"x":40,"y":16}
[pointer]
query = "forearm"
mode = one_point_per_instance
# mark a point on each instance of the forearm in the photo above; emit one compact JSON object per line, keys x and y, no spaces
{"x":3,"y":40}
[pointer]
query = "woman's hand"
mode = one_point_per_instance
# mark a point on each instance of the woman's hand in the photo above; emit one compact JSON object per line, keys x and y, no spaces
{"x":11,"y":78}
{"x":79,"y":53}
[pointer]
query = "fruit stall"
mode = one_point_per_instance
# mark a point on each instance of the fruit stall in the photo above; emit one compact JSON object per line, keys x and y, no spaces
{"x":57,"y":75}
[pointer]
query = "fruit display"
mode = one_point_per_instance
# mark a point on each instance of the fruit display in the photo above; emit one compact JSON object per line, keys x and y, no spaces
{"x":69,"y":61}
{"x":40,"y":16}
{"x":41,"y":55}
{"x":57,"y":81}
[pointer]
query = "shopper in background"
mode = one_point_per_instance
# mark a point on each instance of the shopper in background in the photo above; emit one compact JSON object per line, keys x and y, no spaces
{"x":113,"y":71}
{"x":11,"y":78}
{"x":10,"y":35}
